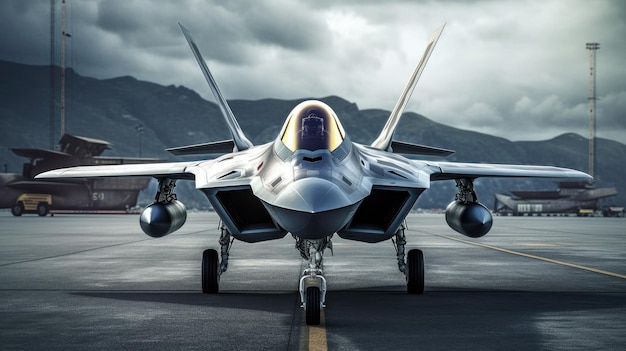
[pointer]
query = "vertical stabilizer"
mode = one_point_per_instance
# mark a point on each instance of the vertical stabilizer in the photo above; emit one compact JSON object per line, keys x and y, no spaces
{"x":383,"y":142}
{"x":240,"y":140}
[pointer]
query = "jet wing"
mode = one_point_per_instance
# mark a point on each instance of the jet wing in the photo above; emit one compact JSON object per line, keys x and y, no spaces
{"x":400,"y":147}
{"x":173,"y":170}
{"x":459,"y":170}
{"x":47,"y":187}
{"x":217,"y":147}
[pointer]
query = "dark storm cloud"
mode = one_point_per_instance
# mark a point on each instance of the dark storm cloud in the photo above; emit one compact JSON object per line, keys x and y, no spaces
{"x":235,"y":29}
{"x":281,"y":23}
{"x":24,"y":32}
{"x":517,"y":69}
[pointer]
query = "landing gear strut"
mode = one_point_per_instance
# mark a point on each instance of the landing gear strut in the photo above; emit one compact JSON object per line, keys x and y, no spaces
{"x":312,"y":285}
{"x":413,"y":268}
{"x":212,"y":269}
{"x":466,"y":192}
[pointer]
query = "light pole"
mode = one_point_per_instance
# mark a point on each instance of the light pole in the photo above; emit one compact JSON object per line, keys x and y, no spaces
{"x":592,"y":47}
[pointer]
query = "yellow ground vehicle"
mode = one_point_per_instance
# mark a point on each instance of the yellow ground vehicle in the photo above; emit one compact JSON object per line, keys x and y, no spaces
{"x":32,"y":203}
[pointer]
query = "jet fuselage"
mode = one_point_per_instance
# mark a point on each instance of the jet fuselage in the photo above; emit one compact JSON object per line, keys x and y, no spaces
{"x":313,"y":188}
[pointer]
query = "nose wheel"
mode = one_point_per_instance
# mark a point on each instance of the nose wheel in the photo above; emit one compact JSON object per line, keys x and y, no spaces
{"x":313,"y":295}
{"x":312,"y":285}
{"x":313,"y":308}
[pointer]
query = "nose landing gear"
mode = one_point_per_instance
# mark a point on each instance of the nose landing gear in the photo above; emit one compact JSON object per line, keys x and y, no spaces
{"x":312,"y":285}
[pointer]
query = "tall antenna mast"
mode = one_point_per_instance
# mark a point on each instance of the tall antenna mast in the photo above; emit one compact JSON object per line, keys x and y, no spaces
{"x":52,"y":70}
{"x":64,"y":34}
{"x":592,"y":47}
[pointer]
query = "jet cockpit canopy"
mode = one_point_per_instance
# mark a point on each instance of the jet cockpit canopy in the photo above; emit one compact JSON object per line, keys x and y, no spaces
{"x":312,"y":125}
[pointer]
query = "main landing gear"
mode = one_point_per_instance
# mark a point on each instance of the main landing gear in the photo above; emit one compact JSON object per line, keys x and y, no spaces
{"x":413,"y":268}
{"x":212,"y":269}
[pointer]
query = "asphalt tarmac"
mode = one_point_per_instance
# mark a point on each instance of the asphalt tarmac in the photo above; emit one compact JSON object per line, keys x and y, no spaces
{"x":96,"y":282}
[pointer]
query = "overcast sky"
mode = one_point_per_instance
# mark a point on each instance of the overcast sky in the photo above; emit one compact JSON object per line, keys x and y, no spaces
{"x":511,"y":68}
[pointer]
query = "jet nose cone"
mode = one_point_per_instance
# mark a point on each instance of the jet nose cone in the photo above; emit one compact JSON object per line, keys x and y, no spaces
{"x":312,"y":208}
{"x":312,"y":195}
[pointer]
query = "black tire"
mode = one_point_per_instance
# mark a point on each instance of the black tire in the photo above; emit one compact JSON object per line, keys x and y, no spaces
{"x":17,"y":209}
{"x":210,"y":266}
{"x":312,"y":305}
{"x":415,"y":272}
{"x":43,"y":209}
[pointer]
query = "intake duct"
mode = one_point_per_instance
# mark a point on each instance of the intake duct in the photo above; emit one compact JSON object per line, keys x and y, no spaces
{"x":160,"y":219}
{"x":471,"y":219}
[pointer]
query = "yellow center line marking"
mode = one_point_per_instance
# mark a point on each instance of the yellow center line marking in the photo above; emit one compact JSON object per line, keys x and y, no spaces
{"x":563,"y":263}
{"x":317,"y":335}
{"x":313,"y":337}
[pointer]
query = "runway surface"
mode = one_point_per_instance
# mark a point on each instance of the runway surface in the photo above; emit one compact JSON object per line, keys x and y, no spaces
{"x":97,"y":282}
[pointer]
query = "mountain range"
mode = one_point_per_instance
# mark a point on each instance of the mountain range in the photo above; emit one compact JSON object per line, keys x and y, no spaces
{"x":113,"y":109}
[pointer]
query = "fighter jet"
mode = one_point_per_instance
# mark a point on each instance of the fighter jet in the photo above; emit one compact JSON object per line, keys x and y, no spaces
{"x":313,"y":182}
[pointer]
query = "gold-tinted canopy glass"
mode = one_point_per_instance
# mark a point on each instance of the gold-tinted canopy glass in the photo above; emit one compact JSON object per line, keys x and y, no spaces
{"x":312,"y":125}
